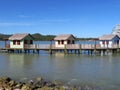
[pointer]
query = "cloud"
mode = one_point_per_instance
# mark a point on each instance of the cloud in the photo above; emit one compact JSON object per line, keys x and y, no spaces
{"x":14,"y":24}
{"x":23,"y":16}
{"x":55,"y":20}
{"x":34,"y":23}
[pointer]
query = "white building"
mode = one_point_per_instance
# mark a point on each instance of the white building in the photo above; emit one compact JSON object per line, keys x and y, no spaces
{"x":64,"y":39}
{"x":109,"y":40}
{"x":18,"y":41}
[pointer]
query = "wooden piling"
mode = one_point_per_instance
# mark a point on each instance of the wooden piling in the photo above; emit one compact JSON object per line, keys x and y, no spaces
{"x":65,"y":50}
{"x":50,"y":49}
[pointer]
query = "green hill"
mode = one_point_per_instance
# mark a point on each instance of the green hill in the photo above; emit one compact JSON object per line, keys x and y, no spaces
{"x":3,"y":36}
{"x":36,"y":36}
{"x":40,"y":37}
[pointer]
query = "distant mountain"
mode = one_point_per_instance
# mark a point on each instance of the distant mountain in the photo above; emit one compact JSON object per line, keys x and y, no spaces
{"x":40,"y":37}
{"x":36,"y":36}
{"x":4,"y":36}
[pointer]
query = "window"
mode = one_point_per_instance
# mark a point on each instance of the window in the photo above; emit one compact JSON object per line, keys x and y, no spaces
{"x":58,"y":41}
{"x":68,"y":42}
{"x":18,"y":42}
{"x":62,"y":41}
{"x":103,"y":42}
{"x":107,"y":42}
{"x":73,"y":42}
{"x":14,"y":42}
{"x":31,"y":41}
{"x":117,"y":41}
{"x":25,"y":42}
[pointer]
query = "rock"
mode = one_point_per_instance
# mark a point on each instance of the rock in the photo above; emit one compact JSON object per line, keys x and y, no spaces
{"x":39,"y":79}
{"x":62,"y":88}
{"x":12,"y":83}
{"x":56,"y":88}
{"x":73,"y":88}
{"x":26,"y":87}
{"x":31,"y":82}
{"x":88,"y":88}
{"x":5,"y":79}
{"x":49,"y":84}
{"x":45,"y":88}
{"x":17,"y":89}
{"x":18,"y":85}
{"x":57,"y":83}
{"x":9,"y":88}
{"x":40,"y":84}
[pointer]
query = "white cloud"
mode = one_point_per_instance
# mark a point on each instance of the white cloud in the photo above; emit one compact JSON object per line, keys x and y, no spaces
{"x":34,"y":23}
{"x":52,"y":21}
{"x":23,"y":16}
{"x":14,"y":24}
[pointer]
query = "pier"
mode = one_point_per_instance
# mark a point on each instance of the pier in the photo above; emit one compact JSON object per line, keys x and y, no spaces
{"x":64,"y":43}
{"x":67,"y":49}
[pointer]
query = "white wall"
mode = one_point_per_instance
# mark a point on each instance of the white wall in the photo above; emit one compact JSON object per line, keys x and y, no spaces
{"x":17,"y":46}
{"x":21,"y":46}
{"x":105,"y":44}
{"x":60,"y":45}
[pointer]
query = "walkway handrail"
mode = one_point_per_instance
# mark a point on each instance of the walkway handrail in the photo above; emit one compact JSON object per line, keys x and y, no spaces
{"x":70,"y":46}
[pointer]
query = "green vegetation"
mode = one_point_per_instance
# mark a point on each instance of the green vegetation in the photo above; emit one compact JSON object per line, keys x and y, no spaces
{"x":4,"y":36}
{"x":87,"y":38}
{"x":36,"y":37}
{"x":40,"y":37}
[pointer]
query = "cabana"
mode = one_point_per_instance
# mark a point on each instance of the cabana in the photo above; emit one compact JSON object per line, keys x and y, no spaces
{"x":64,"y":39}
{"x":109,"y":40}
{"x":19,"y":41}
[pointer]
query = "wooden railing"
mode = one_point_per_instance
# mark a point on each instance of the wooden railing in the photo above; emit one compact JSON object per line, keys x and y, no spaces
{"x":37,"y":46}
{"x":70,"y":46}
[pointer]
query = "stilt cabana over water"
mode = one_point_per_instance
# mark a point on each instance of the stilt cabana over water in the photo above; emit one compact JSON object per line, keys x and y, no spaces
{"x":64,"y":43}
{"x":64,"y":39}
{"x":109,"y":40}
{"x":20,"y":40}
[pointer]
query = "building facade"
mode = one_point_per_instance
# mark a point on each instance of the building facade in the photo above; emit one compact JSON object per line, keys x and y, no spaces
{"x":64,"y":39}
{"x":20,"y":40}
{"x":107,"y":41}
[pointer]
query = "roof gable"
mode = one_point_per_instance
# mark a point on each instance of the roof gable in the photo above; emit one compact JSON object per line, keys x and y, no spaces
{"x":108,"y":37}
{"x":18,"y":36}
{"x":118,"y":35}
{"x":64,"y":37}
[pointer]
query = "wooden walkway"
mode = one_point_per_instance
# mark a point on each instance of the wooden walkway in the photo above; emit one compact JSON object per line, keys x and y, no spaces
{"x":71,"y":48}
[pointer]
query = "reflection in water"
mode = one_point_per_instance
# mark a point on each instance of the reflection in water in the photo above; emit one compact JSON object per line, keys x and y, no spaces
{"x":59,"y":55}
{"x":70,"y":68}
{"x":19,"y":65}
{"x":16,"y":60}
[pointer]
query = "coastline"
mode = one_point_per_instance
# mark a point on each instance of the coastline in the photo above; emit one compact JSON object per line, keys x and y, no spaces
{"x":6,"y":83}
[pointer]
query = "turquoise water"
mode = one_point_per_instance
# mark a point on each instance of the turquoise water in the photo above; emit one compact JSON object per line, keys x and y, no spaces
{"x":94,"y":70}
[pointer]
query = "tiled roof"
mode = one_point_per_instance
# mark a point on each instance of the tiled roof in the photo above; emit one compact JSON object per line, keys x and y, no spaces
{"x":107,"y":37}
{"x":63,"y":37}
{"x":18,"y":36}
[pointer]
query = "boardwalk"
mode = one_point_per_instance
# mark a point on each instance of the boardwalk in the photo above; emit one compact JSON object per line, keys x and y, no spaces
{"x":71,"y":48}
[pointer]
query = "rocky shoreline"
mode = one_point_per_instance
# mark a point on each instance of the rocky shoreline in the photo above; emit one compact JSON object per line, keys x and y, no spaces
{"x":7,"y":83}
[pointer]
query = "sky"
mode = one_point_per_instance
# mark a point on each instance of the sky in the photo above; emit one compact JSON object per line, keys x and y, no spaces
{"x":82,"y":18}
